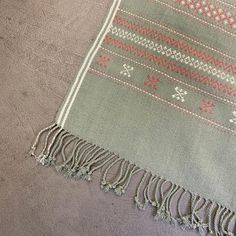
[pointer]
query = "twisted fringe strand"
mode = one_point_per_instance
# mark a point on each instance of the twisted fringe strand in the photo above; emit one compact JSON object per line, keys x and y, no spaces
{"x":84,"y":158}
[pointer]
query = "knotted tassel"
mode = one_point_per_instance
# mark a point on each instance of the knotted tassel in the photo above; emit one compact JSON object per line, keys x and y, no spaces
{"x":104,"y":184}
{"x":42,"y":155}
{"x":83,"y":168}
{"x":57,"y":147}
{"x":66,"y":161}
{"x":140,"y":205}
{"x":35,"y":145}
{"x":123,"y":183}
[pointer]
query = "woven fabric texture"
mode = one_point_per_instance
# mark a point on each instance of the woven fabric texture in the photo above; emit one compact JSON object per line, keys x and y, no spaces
{"x":156,"y":96}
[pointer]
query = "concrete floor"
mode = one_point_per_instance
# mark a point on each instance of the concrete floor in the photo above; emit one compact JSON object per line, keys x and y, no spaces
{"x":42,"y":43}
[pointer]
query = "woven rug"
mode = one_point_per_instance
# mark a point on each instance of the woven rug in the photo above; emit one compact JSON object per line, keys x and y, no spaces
{"x":156,"y":97}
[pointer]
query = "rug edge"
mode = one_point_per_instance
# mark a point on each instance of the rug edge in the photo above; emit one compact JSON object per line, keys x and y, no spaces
{"x":85,"y":158}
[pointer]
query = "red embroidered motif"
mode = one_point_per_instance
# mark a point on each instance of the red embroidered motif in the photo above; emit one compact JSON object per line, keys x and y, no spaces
{"x":103,"y":60}
{"x":210,"y":10}
{"x":171,"y":78}
{"x":176,"y":43}
{"x":132,"y":86}
{"x":172,"y":66}
{"x":207,"y":106}
{"x":152,"y":81}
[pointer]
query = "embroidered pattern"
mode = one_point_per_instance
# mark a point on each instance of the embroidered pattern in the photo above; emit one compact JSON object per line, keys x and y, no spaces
{"x":156,"y":96}
{"x":152,"y":81}
{"x":207,"y":106}
{"x":180,"y":44}
{"x":127,"y":70}
{"x":233,"y":120}
{"x":140,"y":84}
{"x":194,"y":17}
{"x":184,"y":74}
{"x":214,"y":12}
{"x":172,"y":66}
{"x":171,"y":53}
{"x":103,"y":60}
{"x":177,"y":33}
{"x":180,"y":93}
{"x":173,"y":79}
{"x":166,"y":84}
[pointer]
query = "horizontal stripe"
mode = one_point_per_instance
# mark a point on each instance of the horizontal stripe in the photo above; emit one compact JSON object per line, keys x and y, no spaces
{"x":171,"y":66}
{"x":181,"y":34}
{"x":172,"y":54}
{"x":175,"y":42}
{"x":216,"y":27}
{"x":213,"y":12}
{"x":157,"y":97}
{"x":193,"y":88}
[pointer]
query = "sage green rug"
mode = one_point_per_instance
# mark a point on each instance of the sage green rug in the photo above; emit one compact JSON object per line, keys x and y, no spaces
{"x":156,"y":97}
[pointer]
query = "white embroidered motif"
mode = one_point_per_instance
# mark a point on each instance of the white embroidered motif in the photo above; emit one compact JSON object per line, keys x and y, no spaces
{"x":127,"y":70}
{"x":211,"y":11}
{"x":180,"y":93}
{"x":233,"y":120}
{"x":174,"y":54}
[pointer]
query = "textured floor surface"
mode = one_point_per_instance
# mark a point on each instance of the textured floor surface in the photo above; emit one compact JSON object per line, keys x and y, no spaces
{"x":42,"y":43}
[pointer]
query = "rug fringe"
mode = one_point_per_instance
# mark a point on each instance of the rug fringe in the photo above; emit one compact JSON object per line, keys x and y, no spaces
{"x":77,"y":158}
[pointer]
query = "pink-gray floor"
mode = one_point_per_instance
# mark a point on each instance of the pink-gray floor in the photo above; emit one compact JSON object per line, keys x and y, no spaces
{"x":42,"y":43}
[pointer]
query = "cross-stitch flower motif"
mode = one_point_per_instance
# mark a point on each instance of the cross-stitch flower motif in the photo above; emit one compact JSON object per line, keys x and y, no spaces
{"x":233,"y":120}
{"x":152,"y":81}
{"x":180,"y":93}
{"x":207,"y":106}
{"x":103,"y":60}
{"x":127,"y":70}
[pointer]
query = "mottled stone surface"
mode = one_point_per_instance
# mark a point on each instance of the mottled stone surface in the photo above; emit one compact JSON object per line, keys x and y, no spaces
{"x":42,"y":43}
